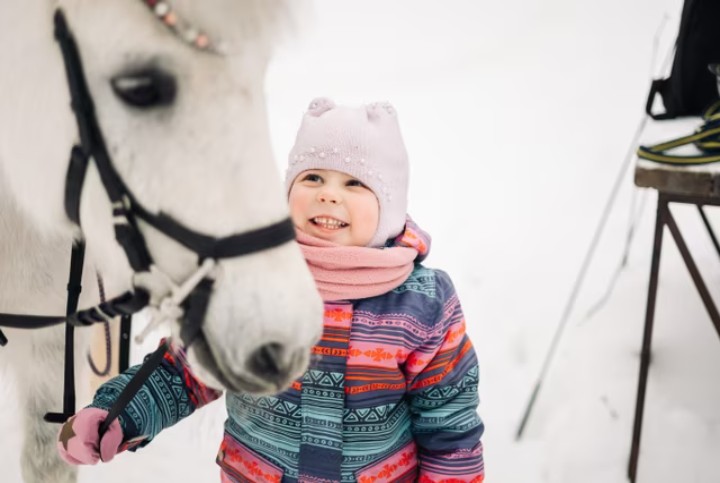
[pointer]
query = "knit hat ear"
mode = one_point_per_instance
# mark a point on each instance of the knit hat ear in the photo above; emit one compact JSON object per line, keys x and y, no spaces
{"x":363,"y":142}
{"x":377,"y":110}
{"x":320,"y":105}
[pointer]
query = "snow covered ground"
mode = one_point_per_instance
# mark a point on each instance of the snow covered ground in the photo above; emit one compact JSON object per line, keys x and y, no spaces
{"x":517,"y":116}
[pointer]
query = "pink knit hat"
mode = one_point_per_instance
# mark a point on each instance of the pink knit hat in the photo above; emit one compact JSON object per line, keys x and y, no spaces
{"x":363,"y":142}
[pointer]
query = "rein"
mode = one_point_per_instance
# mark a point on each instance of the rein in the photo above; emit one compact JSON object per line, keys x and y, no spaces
{"x":188,"y":301}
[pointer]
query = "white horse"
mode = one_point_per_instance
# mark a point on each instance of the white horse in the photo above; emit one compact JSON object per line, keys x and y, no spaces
{"x":198,"y":151}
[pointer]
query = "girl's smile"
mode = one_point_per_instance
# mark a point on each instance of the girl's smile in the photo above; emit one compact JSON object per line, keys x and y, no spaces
{"x":334,"y":206}
{"x":328,"y":223}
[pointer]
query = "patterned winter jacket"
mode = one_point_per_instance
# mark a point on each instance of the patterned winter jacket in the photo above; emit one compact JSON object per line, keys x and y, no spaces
{"x":392,"y":397}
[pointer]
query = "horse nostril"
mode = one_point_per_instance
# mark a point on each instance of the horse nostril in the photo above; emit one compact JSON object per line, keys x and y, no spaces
{"x":268,"y":361}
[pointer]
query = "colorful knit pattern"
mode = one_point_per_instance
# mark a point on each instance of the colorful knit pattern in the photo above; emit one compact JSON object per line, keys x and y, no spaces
{"x":391,"y":396}
{"x":322,"y":398}
{"x":414,"y":237}
{"x":242,"y":465}
{"x":170,"y":394}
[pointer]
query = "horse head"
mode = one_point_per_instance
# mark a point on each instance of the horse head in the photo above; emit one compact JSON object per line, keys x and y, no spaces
{"x":178,"y":95}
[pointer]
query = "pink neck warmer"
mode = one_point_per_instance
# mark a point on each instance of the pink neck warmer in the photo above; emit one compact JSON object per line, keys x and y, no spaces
{"x":350,"y":272}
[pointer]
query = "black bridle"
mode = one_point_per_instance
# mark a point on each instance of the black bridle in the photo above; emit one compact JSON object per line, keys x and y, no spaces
{"x":126,"y":210}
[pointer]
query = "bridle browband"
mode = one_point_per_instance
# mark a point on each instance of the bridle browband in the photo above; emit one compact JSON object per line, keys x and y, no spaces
{"x":126,"y":210}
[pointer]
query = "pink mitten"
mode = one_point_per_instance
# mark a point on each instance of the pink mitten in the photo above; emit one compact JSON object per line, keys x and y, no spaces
{"x":79,"y":438}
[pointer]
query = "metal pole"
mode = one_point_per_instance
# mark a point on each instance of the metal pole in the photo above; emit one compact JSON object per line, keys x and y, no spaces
{"x":709,"y":228}
{"x":694,"y":272}
{"x":662,"y":210}
{"x":580,"y":278}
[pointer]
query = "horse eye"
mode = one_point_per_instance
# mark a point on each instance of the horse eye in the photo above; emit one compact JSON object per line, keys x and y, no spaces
{"x":145,"y":89}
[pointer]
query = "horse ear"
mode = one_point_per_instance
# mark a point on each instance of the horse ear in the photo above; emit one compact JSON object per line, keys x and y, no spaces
{"x":320,"y":105}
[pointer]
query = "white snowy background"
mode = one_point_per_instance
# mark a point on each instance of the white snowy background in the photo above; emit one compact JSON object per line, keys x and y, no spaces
{"x":518,"y":116}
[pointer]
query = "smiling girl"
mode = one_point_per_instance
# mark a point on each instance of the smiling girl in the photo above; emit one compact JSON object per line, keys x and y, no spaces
{"x":392,"y":393}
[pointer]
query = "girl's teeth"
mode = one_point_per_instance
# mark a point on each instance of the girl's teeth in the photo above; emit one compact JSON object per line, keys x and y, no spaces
{"x":329,"y":223}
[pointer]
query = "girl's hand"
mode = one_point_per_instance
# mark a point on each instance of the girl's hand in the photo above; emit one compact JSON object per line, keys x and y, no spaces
{"x":79,"y":438}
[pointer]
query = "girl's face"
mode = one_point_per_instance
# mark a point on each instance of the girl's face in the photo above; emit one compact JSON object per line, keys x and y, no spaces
{"x":334,"y":206}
